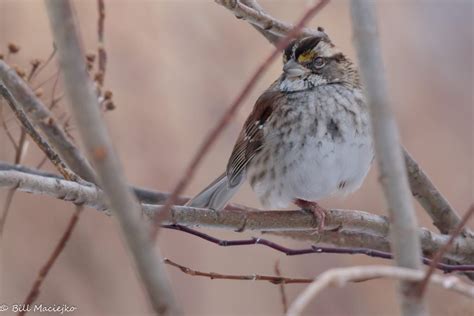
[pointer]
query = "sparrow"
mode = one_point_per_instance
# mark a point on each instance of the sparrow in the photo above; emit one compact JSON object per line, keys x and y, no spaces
{"x":308,"y":136}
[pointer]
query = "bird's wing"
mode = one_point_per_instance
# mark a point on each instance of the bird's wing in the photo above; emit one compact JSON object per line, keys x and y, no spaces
{"x":250,"y":139}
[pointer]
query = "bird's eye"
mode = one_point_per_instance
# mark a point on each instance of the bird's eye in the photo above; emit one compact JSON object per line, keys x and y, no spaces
{"x":319,"y":62}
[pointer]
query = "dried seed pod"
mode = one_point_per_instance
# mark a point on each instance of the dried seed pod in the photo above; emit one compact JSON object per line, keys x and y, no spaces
{"x":90,"y":57}
{"x":109,"y":106}
{"x":13,"y":48}
{"x":108,"y":95}
{"x":35,"y":63}
{"x":39,"y":92}
{"x":20,"y":72}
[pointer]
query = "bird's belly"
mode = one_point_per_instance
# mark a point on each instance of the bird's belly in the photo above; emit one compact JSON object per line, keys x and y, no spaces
{"x":321,"y":168}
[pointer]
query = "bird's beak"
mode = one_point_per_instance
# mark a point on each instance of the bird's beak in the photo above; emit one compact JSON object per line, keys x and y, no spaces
{"x":293,"y":69}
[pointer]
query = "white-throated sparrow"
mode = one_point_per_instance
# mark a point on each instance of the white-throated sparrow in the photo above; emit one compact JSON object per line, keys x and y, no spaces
{"x":307,"y":138}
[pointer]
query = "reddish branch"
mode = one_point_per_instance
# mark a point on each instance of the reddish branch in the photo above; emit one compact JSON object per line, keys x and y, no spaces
{"x":440,"y":253}
{"x":101,"y":50}
{"x":35,"y":289}
{"x":253,"y":277}
{"x":284,"y":300}
{"x":447,"y":268}
{"x":213,"y":135}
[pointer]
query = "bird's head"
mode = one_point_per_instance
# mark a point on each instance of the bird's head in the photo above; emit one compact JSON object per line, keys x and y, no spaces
{"x":313,"y":61}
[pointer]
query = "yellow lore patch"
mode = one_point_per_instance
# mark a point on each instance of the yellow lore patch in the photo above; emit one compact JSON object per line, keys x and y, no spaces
{"x":306,"y":56}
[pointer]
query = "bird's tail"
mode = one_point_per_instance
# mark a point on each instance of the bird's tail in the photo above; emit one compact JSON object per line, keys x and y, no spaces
{"x":216,"y":195}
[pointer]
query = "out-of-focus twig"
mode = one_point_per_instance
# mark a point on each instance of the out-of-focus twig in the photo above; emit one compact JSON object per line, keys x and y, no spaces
{"x":85,"y":110}
{"x":440,"y":253}
{"x":30,"y":129}
{"x":6,"y":208}
{"x":35,"y":289}
{"x":43,"y":119}
{"x":225,"y":119}
{"x":284,"y":299}
{"x":393,"y":176}
{"x":341,"y":276}
{"x":102,"y":54}
{"x":44,"y":64}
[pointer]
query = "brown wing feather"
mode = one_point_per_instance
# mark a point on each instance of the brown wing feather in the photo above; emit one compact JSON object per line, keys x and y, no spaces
{"x":250,"y":139}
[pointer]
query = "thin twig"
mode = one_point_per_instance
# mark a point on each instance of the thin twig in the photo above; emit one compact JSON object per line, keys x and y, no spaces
{"x":46,"y":63}
{"x":42,"y":117}
{"x":228,"y":115}
{"x":405,"y":241}
{"x":441,"y":252}
{"x":43,"y":272}
{"x":42,"y":144}
{"x":9,"y":134}
{"x":254,"y":277}
{"x":284,"y":300}
{"x":102,"y":54}
{"x":6,"y":209}
{"x":311,"y":250}
{"x":341,"y":276}
{"x":45,"y":81}
{"x":85,"y":110}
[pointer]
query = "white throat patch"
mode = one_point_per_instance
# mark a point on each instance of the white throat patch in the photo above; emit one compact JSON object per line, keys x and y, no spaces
{"x":300,"y":84}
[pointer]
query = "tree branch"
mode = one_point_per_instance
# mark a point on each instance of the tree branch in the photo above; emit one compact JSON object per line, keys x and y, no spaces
{"x":438,"y":208}
{"x":345,"y":228}
{"x":85,"y":109}
{"x":35,"y":289}
{"x":29,"y":128}
{"x":393,"y":177}
{"x":273,"y":29}
{"x":341,"y":276}
{"x":39,"y":114}
{"x":313,"y":249}
{"x":440,"y":253}
{"x":450,"y":283}
{"x":254,"y":277}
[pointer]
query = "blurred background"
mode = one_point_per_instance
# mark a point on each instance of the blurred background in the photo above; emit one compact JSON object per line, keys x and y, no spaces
{"x":173,"y":68}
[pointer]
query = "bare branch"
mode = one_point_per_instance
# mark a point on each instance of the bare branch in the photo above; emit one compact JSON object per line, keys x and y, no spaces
{"x":346,"y":228}
{"x":254,"y":277}
{"x":29,"y":128}
{"x":101,"y":53}
{"x":439,"y":255}
{"x":338,"y":277}
{"x":252,"y":12}
{"x":438,"y":208}
{"x":85,"y":109}
{"x":216,"y":131}
{"x":35,"y":289}
{"x":284,"y":299}
{"x":312,"y":250}
{"x":393,"y":177}
{"x":42,"y":117}
{"x":341,"y":276}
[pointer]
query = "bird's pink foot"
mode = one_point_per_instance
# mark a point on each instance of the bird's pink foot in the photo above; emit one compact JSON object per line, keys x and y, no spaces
{"x":314,"y":209}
